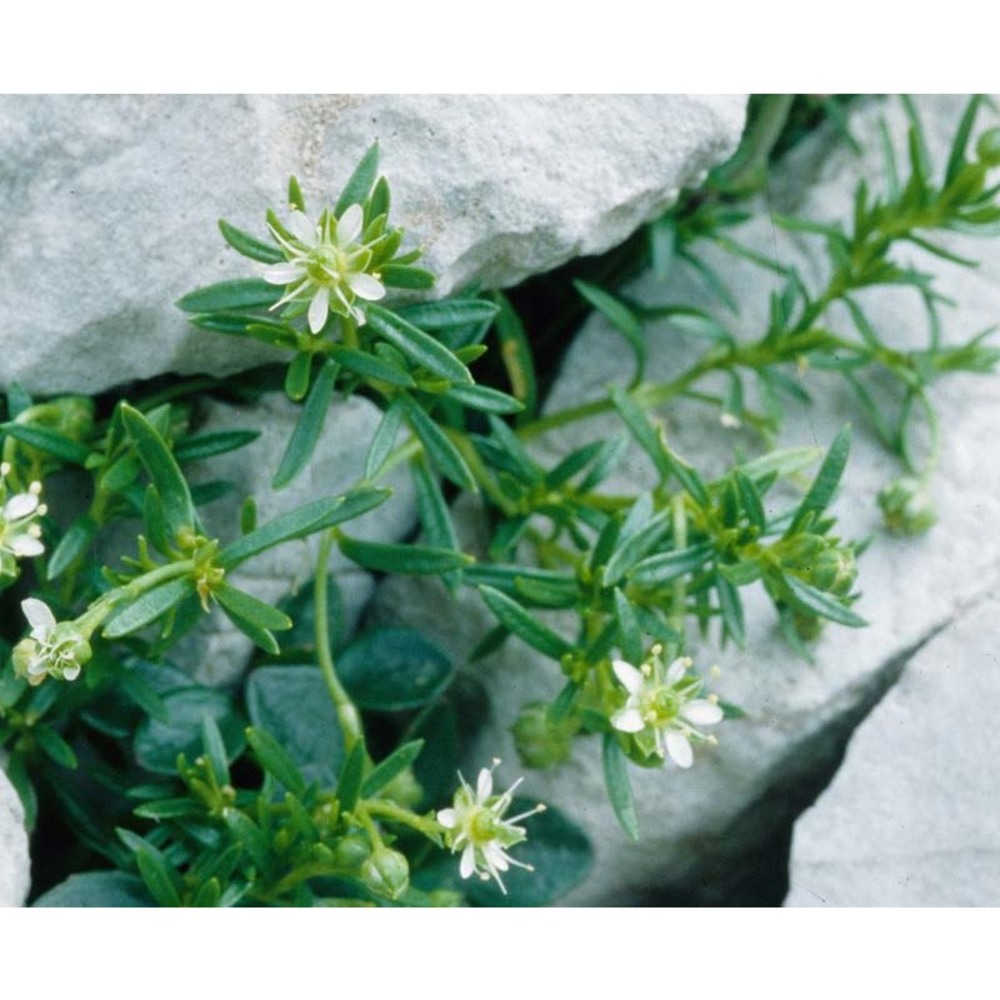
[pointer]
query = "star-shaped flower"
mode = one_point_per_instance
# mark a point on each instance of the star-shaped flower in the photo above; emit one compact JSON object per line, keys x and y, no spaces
{"x":475,"y":825}
{"x":326,"y":264}
{"x":54,"y":649}
{"x":663,"y":704}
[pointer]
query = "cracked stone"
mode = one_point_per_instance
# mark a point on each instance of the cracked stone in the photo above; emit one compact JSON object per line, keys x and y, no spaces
{"x":112,"y":202}
{"x":910,"y":818}
{"x":700,"y":826}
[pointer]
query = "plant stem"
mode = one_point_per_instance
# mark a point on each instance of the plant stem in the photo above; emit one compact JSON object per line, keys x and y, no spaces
{"x":347,"y":713}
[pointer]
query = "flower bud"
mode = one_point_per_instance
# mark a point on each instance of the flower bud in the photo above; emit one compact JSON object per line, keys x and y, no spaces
{"x":351,"y":852}
{"x":834,"y":571}
{"x":386,"y":872}
{"x":988,"y":147}
{"x":907,"y":507}
{"x":539,"y":743}
{"x":404,"y":789}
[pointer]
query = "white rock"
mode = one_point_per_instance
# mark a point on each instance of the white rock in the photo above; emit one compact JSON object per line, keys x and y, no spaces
{"x":111,"y":202}
{"x":740,"y":793}
{"x":911,"y":818}
{"x":15,"y":866}
{"x":218,"y":651}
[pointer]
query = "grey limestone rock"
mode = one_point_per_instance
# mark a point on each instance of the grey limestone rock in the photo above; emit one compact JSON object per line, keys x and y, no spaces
{"x":15,"y":867}
{"x":112,"y":202}
{"x":911,"y":817}
{"x":797,"y":716}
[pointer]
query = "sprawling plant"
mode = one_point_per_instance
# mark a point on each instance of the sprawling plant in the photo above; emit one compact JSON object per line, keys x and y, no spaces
{"x":328,"y":777}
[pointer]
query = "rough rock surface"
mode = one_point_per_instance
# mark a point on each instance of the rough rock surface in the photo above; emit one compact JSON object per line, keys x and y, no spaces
{"x":911,"y":817}
{"x":112,"y":202}
{"x":15,"y":868}
{"x":218,"y":649}
{"x":698,"y":824}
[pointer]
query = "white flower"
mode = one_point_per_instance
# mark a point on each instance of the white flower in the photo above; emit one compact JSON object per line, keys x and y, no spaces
{"x":662,"y":704}
{"x":475,"y":825}
{"x":20,"y":534}
{"x":326,"y":264}
{"x":54,"y":649}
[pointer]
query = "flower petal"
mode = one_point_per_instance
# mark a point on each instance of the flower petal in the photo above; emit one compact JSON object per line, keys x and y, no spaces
{"x":71,"y":673}
{"x":366,"y":287}
{"x":319,"y":309}
{"x":677,"y":669}
{"x":282,"y":274}
{"x":20,"y":505}
{"x":468,"y":863}
{"x":629,"y":676}
{"x":39,"y":615}
{"x":679,"y":748}
{"x":303,"y":227}
{"x":484,"y":786}
{"x":447,"y":818}
{"x":628,"y":720}
{"x":26,"y":545}
{"x":349,"y":225}
{"x":702,"y":712}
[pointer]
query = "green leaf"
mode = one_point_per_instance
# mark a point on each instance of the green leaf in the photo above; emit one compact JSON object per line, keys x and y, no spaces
{"x":817,"y":602}
{"x":292,"y":704}
{"x":146,"y":608}
{"x":162,"y":468}
{"x":103,"y":889}
{"x":403,"y":276}
{"x":160,"y":878}
{"x":450,"y":314}
{"x":55,"y":747}
{"x":157,"y":744}
{"x":276,"y":760}
{"x":371,"y":366}
{"x":384,"y":557}
{"x":783,"y":462}
{"x":249,"y":245}
{"x":417,"y":345}
{"x":663,"y":246}
{"x":444,"y":455}
{"x":351,"y":774}
{"x":309,"y":427}
{"x":215,"y":750}
{"x":514,"y":617}
{"x":731,"y":608}
{"x":359,"y":184}
{"x":480,"y":397}
{"x":696,"y":323}
{"x":633,"y":546}
{"x":298,"y":376}
{"x":139,"y":690}
{"x":628,"y":627}
{"x":517,"y":354}
{"x":72,"y":547}
{"x":398,"y":761}
{"x":693,"y":484}
{"x":666,"y":566}
{"x":302,"y":521}
{"x":827,"y":479}
{"x":394,"y":670}
{"x":230,"y":296}
{"x":642,"y":430}
{"x":202,"y":446}
{"x":47,"y":440}
{"x":249,"y":607}
{"x":750,"y":500}
{"x":621,"y":318}
{"x":249,"y":836}
{"x":383,"y":439}
{"x":618,"y":785}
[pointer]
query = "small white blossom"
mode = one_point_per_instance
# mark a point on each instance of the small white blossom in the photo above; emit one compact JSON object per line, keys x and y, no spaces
{"x":53,"y":649}
{"x":326,"y":264}
{"x":663,"y":704}
{"x":475,"y":825}
{"x":20,"y":533}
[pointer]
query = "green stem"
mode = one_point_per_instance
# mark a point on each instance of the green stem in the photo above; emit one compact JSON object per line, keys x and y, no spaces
{"x":388,"y":810}
{"x":347,"y":713}
{"x":679,"y":597}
